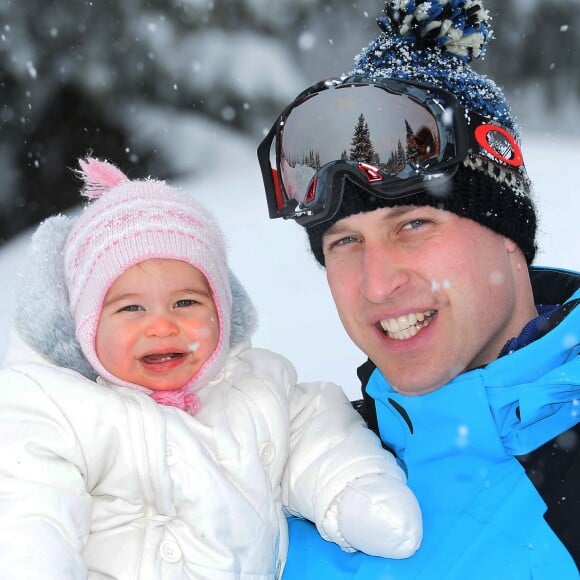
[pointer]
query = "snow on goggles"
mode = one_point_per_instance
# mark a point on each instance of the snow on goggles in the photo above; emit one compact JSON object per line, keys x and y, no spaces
{"x":390,"y":137}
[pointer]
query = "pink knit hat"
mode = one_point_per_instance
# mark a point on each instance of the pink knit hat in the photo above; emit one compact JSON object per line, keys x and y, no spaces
{"x":129,"y":222}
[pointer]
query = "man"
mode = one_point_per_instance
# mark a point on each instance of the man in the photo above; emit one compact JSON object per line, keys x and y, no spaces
{"x":409,"y":180}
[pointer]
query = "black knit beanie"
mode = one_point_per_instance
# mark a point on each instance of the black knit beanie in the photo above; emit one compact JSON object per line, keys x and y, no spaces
{"x":433,"y":42}
{"x":472,"y":195}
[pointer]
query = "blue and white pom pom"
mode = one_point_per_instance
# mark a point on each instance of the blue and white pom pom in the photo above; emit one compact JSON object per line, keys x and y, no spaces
{"x":460,"y":27}
{"x":435,"y":42}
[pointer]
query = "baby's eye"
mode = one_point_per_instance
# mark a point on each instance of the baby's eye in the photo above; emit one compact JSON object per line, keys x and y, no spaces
{"x":131,"y":308}
{"x":185,"y":303}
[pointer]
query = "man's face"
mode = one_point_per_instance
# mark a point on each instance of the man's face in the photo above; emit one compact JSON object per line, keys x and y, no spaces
{"x":425,"y":293}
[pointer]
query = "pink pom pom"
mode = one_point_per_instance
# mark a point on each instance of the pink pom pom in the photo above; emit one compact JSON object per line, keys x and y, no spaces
{"x":99,"y":176}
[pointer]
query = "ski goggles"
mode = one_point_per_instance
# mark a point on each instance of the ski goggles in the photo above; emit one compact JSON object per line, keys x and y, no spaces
{"x":392,"y":138}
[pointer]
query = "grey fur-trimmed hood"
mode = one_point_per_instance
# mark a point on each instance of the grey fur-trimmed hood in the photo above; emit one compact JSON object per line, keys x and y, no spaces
{"x":41,"y":311}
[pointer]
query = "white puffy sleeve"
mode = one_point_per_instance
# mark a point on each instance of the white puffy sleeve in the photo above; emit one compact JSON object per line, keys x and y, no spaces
{"x":339,"y":476}
{"x":44,"y":505}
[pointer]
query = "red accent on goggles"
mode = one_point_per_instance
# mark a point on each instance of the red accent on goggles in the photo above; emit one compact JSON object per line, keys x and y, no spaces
{"x":390,"y":137}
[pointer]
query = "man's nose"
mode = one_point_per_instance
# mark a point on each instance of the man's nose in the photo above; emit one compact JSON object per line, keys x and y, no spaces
{"x":384,"y":271}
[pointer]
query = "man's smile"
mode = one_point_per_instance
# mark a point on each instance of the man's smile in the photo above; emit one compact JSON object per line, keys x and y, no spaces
{"x":405,"y":327}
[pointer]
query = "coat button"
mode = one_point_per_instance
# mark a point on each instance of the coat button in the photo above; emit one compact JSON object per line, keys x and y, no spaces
{"x":172,"y":454}
{"x":267,"y":452}
{"x":170,"y":551}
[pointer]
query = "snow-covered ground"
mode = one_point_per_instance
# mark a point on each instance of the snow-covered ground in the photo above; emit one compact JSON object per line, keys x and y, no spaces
{"x":297,"y":316}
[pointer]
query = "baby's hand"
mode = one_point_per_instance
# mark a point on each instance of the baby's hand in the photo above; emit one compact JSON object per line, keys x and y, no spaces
{"x":379,"y":515}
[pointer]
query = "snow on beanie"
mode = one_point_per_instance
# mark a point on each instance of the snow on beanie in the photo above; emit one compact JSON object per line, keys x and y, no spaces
{"x":127,"y":222}
{"x":434,"y":42}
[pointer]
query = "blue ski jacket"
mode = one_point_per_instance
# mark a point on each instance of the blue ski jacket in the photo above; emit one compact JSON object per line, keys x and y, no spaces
{"x":493,"y":457}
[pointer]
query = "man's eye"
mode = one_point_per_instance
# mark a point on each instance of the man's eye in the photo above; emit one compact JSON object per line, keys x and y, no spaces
{"x":347,"y":240}
{"x":414,"y":224}
{"x":185,"y":303}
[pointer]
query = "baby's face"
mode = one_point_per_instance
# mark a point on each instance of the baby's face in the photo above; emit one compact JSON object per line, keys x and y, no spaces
{"x":158,"y":326}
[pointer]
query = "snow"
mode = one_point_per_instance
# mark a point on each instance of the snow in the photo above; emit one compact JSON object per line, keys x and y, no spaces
{"x":297,"y":316}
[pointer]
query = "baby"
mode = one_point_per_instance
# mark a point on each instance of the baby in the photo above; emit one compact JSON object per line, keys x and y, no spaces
{"x":141,"y":434}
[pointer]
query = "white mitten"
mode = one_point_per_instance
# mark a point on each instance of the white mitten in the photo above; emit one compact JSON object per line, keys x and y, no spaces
{"x":379,"y":515}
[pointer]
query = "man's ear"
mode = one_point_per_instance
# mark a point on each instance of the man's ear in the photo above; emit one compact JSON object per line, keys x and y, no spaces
{"x":509,"y":245}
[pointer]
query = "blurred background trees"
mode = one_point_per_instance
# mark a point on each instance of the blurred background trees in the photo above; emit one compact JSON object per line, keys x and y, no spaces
{"x":122,"y":78}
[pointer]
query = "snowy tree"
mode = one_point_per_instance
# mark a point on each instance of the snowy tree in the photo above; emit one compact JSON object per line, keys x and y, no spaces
{"x":361,"y":147}
{"x":87,"y":75}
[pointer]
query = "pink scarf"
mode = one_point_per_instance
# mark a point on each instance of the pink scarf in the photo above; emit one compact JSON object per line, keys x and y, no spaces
{"x":180,"y":398}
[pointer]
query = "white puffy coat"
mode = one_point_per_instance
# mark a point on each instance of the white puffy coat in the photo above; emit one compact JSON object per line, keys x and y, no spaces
{"x":102,"y":481}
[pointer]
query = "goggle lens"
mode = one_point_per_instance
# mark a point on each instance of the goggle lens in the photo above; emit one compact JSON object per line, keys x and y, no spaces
{"x":363,"y":124}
